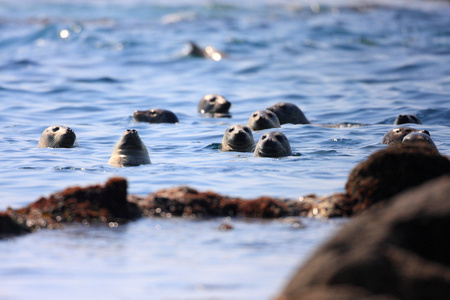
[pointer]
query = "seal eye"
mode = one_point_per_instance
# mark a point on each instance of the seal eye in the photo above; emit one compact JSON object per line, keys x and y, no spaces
{"x":231,"y":129}
{"x":264,"y":137}
{"x":246,"y":129}
{"x":254,"y":115}
{"x":55,"y":129}
{"x":152,"y":111}
{"x":270,"y":115}
{"x":396,"y":130}
{"x":212,"y":99}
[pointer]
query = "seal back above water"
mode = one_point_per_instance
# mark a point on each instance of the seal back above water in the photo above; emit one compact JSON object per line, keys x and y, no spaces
{"x":288,"y":113}
{"x":404,"y":119}
{"x":263,"y":119}
{"x":273,"y":144}
{"x":57,"y":136}
{"x":130,"y":151}
{"x":238,"y":138}
{"x":396,"y":135}
{"x":155,"y":116}
{"x":213,"y":104}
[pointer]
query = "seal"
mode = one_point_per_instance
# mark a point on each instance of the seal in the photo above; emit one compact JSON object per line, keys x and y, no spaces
{"x":213,"y":104}
{"x":263,"y":119}
{"x":418,"y":137}
{"x":57,"y":136}
{"x":273,"y":144}
{"x":238,"y":138}
{"x":155,"y":116}
{"x":396,"y":135}
{"x":129,"y":151}
{"x":209,"y":52}
{"x":288,"y":113}
{"x":404,"y":119}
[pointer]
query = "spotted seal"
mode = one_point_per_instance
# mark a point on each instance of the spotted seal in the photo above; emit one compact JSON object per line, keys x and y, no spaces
{"x":213,"y":104}
{"x":396,"y":135}
{"x":57,"y":136}
{"x":273,"y":144}
{"x":288,"y":113}
{"x":263,"y":119}
{"x":418,"y":137}
{"x":129,"y":151}
{"x":155,"y":116}
{"x":404,"y":119}
{"x":238,"y":138}
{"x":209,"y":52}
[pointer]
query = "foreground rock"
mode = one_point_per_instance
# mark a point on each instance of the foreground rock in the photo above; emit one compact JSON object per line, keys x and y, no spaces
{"x":392,"y":170}
{"x":394,"y":251}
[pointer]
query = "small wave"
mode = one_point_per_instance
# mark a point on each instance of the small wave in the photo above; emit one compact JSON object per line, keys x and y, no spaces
{"x":105,"y":79}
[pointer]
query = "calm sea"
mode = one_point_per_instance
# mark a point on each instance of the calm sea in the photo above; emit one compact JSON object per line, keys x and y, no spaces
{"x":90,"y":64}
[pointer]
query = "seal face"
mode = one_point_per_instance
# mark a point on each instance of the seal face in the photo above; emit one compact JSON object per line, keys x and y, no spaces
{"x":238,"y":138}
{"x":273,"y":144}
{"x":130,"y":151}
{"x":418,"y":137}
{"x":213,"y":104}
{"x":288,"y":113}
{"x":404,"y":119}
{"x":155,"y":116}
{"x":396,"y":135}
{"x":263,"y":119}
{"x":57,"y":136}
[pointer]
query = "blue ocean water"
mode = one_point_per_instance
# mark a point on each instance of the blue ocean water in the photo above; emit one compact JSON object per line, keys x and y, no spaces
{"x":90,"y":64}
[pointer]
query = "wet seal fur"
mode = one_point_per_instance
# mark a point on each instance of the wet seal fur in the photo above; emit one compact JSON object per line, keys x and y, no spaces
{"x":273,"y":144}
{"x":130,"y":151}
{"x":57,"y":136}
{"x":396,"y":135}
{"x":263,"y":119}
{"x":418,"y":137}
{"x":213,"y":104}
{"x":288,"y":113}
{"x":238,"y":138}
{"x":404,"y":119}
{"x":155,"y":116}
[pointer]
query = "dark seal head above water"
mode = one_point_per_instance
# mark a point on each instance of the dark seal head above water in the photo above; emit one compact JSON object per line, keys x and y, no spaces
{"x":57,"y":136}
{"x":273,"y":144}
{"x":130,"y":151}
{"x":404,"y":119}
{"x":155,"y":116}
{"x":418,"y":137}
{"x":238,"y":138}
{"x":213,"y":104}
{"x":263,"y":119}
{"x":209,"y":52}
{"x":396,"y":135}
{"x":288,"y":113}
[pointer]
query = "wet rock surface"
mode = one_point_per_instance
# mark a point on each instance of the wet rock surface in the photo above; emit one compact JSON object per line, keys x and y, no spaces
{"x":395,"y":250}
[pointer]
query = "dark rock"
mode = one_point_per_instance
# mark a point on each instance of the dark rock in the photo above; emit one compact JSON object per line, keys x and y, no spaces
{"x":9,"y":227}
{"x":396,"y":250}
{"x":392,"y":170}
{"x":92,"y":204}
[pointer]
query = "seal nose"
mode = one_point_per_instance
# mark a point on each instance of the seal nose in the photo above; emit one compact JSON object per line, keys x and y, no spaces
{"x":69,"y":129}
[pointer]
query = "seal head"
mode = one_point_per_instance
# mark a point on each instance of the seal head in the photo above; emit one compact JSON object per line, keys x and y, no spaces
{"x":396,"y":135}
{"x":263,"y":119}
{"x":288,"y":113}
{"x":238,"y":138}
{"x":273,"y":144}
{"x":130,"y":151}
{"x":404,"y":119}
{"x":209,"y":52}
{"x":213,"y":104}
{"x":57,"y":136}
{"x":418,"y":137}
{"x":155,"y":116}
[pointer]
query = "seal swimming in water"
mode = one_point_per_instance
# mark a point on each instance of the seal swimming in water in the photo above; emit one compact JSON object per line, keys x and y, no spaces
{"x":208,"y":52}
{"x":396,"y":135}
{"x":263,"y":119}
{"x":238,"y":138}
{"x":273,"y":144}
{"x":213,"y":104}
{"x":403,"y":119}
{"x":288,"y":113}
{"x":155,"y":116}
{"x":130,"y":151}
{"x":418,"y":137}
{"x":57,"y":136}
